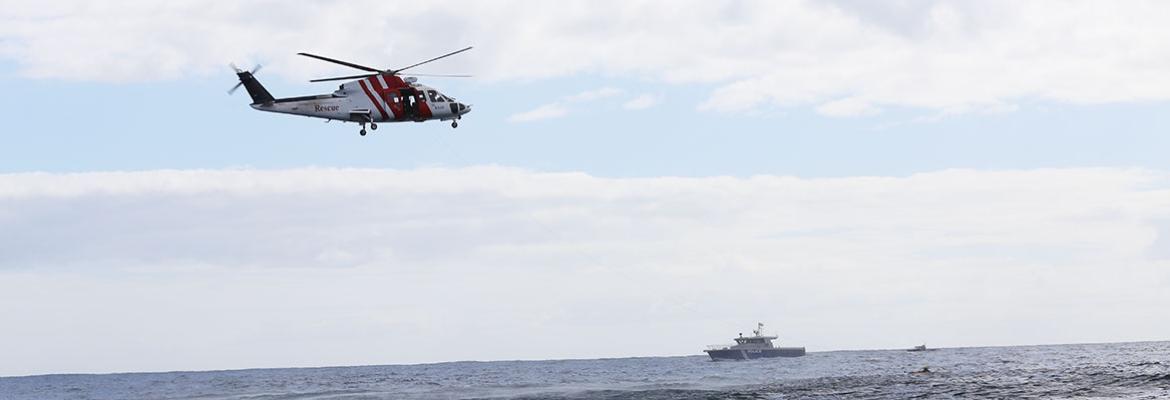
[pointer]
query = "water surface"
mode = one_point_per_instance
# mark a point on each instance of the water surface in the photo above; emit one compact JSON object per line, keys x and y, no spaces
{"x":1086,"y":371}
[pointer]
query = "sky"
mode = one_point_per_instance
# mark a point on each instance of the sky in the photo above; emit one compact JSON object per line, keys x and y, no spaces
{"x":636,"y":178}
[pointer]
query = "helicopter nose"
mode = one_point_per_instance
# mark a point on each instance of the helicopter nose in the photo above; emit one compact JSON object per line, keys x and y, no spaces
{"x":463,"y":108}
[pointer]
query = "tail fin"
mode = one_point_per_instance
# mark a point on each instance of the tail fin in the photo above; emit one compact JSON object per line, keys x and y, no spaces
{"x":259,"y":94}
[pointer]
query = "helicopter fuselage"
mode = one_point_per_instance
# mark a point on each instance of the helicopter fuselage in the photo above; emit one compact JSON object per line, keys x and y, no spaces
{"x":372,"y":100}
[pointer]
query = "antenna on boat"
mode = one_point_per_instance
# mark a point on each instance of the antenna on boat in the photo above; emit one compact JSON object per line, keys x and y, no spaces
{"x":759,"y":328}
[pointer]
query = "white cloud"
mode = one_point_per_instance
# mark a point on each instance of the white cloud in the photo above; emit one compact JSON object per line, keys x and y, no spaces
{"x":547,"y":111}
{"x":104,"y":271}
{"x":936,"y":55}
{"x":591,"y":95}
{"x":641,"y":102}
{"x":848,"y":107}
{"x":560,"y":108}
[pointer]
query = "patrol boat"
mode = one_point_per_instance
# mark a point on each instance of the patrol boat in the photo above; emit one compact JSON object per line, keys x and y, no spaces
{"x":752,"y":347}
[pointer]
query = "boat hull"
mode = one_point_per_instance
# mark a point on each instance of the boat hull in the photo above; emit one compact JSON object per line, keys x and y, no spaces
{"x":746,"y":354}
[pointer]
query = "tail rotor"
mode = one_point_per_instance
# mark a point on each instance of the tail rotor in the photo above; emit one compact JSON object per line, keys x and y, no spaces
{"x":242,"y":75}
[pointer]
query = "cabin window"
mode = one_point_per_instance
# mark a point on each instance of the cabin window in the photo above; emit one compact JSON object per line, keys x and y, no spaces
{"x":438,"y":97}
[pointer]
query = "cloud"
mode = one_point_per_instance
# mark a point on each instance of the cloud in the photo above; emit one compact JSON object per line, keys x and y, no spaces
{"x":105,"y":270}
{"x":934,"y":55}
{"x":591,"y":95}
{"x":560,"y":108}
{"x":641,"y":102}
{"x":547,"y":111}
{"x":849,"y":107}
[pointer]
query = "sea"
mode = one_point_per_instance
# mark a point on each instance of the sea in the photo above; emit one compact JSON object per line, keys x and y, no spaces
{"x":1075,"y":371}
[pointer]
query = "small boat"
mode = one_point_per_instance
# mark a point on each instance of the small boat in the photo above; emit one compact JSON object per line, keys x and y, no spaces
{"x":752,"y":347}
{"x":918,"y":348}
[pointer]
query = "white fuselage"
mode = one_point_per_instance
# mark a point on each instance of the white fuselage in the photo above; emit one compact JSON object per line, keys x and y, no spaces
{"x":372,"y":100}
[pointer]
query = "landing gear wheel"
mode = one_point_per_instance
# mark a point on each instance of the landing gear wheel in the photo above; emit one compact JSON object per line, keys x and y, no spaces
{"x":454,"y":124}
{"x":373,"y":126}
{"x":362,"y":132}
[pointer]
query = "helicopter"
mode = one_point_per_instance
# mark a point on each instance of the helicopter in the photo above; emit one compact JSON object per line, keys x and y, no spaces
{"x":376,"y":96}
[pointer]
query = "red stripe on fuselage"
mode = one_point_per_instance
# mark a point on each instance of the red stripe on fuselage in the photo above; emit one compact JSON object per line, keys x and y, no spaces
{"x":372,"y":99}
{"x":384,"y":94}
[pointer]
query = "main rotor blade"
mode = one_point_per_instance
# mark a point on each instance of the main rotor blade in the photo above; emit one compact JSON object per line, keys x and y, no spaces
{"x":342,"y":78}
{"x":348,"y":64}
{"x":441,"y":75}
{"x":433,"y":59}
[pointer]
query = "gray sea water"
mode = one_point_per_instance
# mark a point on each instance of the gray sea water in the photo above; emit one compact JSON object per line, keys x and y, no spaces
{"x":1084,"y":371}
